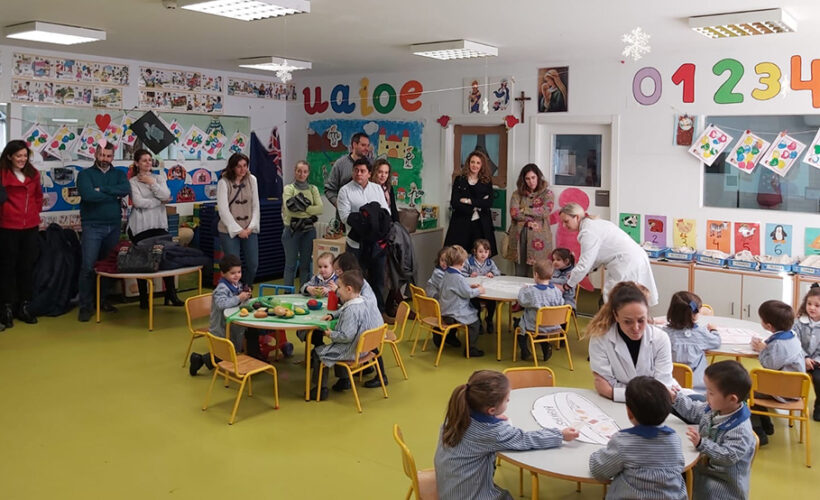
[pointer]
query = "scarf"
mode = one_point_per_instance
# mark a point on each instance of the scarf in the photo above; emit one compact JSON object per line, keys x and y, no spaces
{"x":302,"y":186}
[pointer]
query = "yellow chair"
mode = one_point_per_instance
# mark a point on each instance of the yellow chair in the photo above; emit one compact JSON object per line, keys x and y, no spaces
{"x":415,"y":291}
{"x":683,"y":374}
{"x":707,"y":310}
{"x":428,"y":316}
{"x":547,"y":316}
{"x":422,"y":482}
{"x":395,"y":336}
{"x":196,"y":308}
{"x":369,"y":341}
{"x":790,"y":385}
{"x":239,"y":368}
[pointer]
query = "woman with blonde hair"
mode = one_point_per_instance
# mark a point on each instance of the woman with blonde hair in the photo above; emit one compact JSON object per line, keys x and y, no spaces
{"x":471,"y":198}
{"x":605,"y":244}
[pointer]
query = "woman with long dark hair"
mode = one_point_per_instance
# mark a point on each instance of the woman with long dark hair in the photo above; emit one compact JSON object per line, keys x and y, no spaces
{"x":530,"y":237}
{"x":237,"y":199}
{"x":19,"y":228}
{"x":470,"y":199}
{"x":381,"y":176}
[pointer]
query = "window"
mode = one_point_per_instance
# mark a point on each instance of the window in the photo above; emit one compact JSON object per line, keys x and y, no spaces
{"x":4,"y":123}
{"x":798,"y":191}
{"x":577,"y":160}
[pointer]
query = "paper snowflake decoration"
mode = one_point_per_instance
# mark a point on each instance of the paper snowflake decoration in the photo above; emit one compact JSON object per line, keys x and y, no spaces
{"x":637,"y":44}
{"x":284,"y":75}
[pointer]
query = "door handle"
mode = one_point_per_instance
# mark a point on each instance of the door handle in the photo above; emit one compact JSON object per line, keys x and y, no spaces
{"x":748,"y":311}
{"x":733,"y":309}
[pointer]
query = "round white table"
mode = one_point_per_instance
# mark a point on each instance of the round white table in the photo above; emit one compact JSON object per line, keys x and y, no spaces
{"x":571,"y":460}
{"x":504,"y":290}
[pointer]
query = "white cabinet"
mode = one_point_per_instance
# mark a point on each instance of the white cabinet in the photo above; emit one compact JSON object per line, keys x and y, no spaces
{"x":720,"y":290}
{"x":759,"y":289}
{"x":669,"y":279}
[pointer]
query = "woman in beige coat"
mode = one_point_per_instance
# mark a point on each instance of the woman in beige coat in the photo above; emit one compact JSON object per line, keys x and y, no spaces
{"x":530,"y":237}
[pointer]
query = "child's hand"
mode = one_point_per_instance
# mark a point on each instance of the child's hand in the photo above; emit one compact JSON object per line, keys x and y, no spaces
{"x":327,"y":333}
{"x":333,"y":286}
{"x":570,"y":434}
{"x":473,"y":274}
{"x":810,"y":364}
{"x":673,"y":393}
{"x":244,"y":296}
{"x":693,"y":435}
{"x":481,"y":289}
{"x":490,"y":275}
{"x":757,"y":344}
{"x":710,"y":327}
{"x":327,"y":317}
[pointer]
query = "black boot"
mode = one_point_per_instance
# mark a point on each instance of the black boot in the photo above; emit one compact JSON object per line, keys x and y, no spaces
{"x":142,"y":286}
{"x":24,"y":313}
{"x":7,"y":315}
{"x":546,"y":350}
{"x":171,"y":298}
{"x":524,"y":347}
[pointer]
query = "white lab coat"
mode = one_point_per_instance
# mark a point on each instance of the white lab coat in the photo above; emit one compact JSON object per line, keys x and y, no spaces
{"x":609,"y":357}
{"x":605,"y":244}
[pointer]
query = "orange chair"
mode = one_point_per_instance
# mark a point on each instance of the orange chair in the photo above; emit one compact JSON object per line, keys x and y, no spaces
{"x":547,"y":316}
{"x":395,"y":336}
{"x":369,"y":341}
{"x":422,"y":482}
{"x":238,"y":368}
{"x":794,"y":387}
{"x":683,"y":374}
{"x":428,"y":316}
{"x":196,"y":308}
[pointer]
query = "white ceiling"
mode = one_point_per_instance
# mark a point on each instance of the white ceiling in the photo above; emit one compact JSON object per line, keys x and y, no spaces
{"x":354,"y":36}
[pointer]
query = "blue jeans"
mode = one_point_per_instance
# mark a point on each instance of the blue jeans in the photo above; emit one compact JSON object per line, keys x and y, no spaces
{"x":374,"y":267}
{"x":298,"y":249}
{"x":97,"y":242}
{"x":249,"y":248}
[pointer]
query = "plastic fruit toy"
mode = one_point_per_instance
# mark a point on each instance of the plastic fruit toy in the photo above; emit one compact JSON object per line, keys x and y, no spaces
{"x":271,"y":311}
{"x":243,"y":312}
{"x":279,"y":311}
{"x":314,"y":304}
{"x":289,"y":313}
{"x":260,"y":313}
{"x":258,"y":305}
{"x":299,"y":310}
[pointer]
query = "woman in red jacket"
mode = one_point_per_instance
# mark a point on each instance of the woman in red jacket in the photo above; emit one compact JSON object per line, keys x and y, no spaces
{"x":19,"y":227}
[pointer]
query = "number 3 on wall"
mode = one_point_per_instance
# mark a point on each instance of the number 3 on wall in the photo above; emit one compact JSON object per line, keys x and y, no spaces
{"x":771,"y":80}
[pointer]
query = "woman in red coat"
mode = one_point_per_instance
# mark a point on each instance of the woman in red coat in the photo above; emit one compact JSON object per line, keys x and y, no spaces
{"x":19,"y":229}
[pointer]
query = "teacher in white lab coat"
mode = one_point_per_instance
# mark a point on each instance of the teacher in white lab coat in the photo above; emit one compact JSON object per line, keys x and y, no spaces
{"x":605,"y":244}
{"x":623,"y":344}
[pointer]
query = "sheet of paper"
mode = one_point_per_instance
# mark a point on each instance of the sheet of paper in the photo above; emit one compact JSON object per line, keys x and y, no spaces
{"x":736,"y":335}
{"x":568,"y":409}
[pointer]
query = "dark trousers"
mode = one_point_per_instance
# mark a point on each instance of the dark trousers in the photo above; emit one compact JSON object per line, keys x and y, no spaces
{"x":815,"y":379}
{"x":473,"y":329}
{"x":252,"y":342}
{"x":19,"y":249}
{"x":489,"y":304}
{"x":97,"y":242}
{"x":373,"y":267}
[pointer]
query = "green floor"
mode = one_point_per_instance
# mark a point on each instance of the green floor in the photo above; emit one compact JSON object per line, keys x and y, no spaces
{"x":106,"y":411}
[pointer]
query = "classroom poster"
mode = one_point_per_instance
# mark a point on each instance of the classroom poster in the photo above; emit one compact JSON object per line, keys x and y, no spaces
{"x":36,"y":138}
{"x":782,"y":154}
{"x":61,"y":142}
{"x":813,"y":154}
{"x":684,"y":233}
{"x":239,"y":142}
{"x":812,"y":241}
{"x":684,"y":129}
{"x":631,"y":225}
{"x":474,"y":91}
{"x":718,"y":235}
{"x":747,"y":237}
{"x":89,"y":141}
{"x":654,"y":230}
{"x":498,"y":210}
{"x":710,"y":144}
{"x":778,"y":239}
{"x":747,"y":151}
{"x":397,"y":141}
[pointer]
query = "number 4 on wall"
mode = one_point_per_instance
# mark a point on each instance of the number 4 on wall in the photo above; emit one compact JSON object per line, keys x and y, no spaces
{"x":812,"y":84}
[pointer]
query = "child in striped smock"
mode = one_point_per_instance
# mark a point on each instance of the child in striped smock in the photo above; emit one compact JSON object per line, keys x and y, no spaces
{"x":531,"y":298}
{"x":434,"y":283}
{"x":724,"y":436}
{"x":454,"y":300}
{"x":807,"y":327}
{"x":480,"y":264}
{"x":474,"y":429}
{"x":324,"y":281}
{"x":563,"y":262}
{"x":645,"y":461}
{"x":689,"y":339}
{"x":781,"y":351}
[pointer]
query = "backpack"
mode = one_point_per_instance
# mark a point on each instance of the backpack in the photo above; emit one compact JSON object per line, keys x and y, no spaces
{"x":57,"y":272}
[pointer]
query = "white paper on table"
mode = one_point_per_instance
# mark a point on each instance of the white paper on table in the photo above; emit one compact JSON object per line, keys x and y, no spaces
{"x":568,"y":409}
{"x":736,"y":335}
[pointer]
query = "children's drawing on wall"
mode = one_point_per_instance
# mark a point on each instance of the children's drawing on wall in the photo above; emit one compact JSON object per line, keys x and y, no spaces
{"x":747,"y":237}
{"x":813,"y":154}
{"x":782,"y":154}
{"x":399,"y":142}
{"x":778,"y":239}
{"x":631,"y":225}
{"x":655,"y":230}
{"x":500,"y":89}
{"x":812,"y":241}
{"x":684,"y":129}
{"x":684,"y":234}
{"x":718,"y":236}
{"x":474,"y":92}
{"x":552,"y":89}
{"x":747,"y":151}
{"x":710,"y":144}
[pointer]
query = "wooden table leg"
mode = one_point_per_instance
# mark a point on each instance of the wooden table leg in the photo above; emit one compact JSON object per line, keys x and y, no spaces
{"x":98,"y":298}
{"x":498,"y":310}
{"x":689,"y":482}
{"x":534,"y":478}
{"x":150,"y":304}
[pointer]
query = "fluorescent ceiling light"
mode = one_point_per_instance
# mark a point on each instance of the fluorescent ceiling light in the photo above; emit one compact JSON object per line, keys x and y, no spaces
{"x":453,"y":49}
{"x":248,"y":10}
{"x":274,"y":64}
{"x":736,"y":24}
{"x":38,"y":31}
{"x":64,"y":120}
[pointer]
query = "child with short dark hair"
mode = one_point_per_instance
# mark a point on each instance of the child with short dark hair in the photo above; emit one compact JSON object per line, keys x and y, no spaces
{"x":229,"y":292}
{"x":531,"y":298}
{"x":689,"y":340}
{"x":563,"y":263}
{"x":807,"y":327}
{"x":434,"y":283}
{"x":481,"y":264}
{"x":356,"y":316}
{"x":474,"y":429}
{"x":781,"y":351}
{"x":324,"y":280}
{"x":454,"y":300}
{"x":644,"y":461}
{"x":724,"y":436}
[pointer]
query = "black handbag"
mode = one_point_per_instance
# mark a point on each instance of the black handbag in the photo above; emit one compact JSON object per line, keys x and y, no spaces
{"x":139,"y":259}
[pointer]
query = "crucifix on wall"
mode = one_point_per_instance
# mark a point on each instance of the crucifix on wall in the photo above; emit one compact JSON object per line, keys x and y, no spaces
{"x":523,"y":100}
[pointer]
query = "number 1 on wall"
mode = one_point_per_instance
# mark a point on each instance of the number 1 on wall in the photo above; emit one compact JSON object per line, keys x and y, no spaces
{"x":686,"y":74}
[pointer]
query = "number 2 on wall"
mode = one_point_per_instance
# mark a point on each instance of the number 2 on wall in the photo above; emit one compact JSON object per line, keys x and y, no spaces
{"x":725,"y":93}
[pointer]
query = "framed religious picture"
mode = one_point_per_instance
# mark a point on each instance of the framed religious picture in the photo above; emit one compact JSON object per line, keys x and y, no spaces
{"x":490,"y":140}
{"x":552,"y":89}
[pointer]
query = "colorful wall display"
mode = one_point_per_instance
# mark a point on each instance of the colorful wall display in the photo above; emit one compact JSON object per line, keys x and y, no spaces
{"x":553,"y":93}
{"x":631,"y":225}
{"x":747,"y":151}
{"x":710,"y":144}
{"x":499,"y":92}
{"x":811,"y":243}
{"x":178,"y":79}
{"x":747,"y":237}
{"x":813,"y":155}
{"x":240,"y":87}
{"x":719,"y":235}
{"x":179,"y":90}
{"x":655,"y":229}
{"x":778,"y":239}
{"x":180,"y":102}
{"x":383,"y":99}
{"x":684,"y":233}
{"x":474,"y":91}
{"x":782,"y":154}
{"x":685,"y":129}
{"x":397,"y":141}
{"x":68,"y":70}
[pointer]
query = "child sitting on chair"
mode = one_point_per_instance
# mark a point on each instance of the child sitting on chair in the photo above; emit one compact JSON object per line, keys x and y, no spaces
{"x":563,"y":262}
{"x":724,"y":436}
{"x":455,"y":298}
{"x":323,"y":281}
{"x":480,"y":264}
{"x":781,"y":351}
{"x":228,"y":293}
{"x":644,"y":461}
{"x":531,"y":298}
{"x":356,"y":316}
{"x":689,"y":340}
{"x":434,"y":283}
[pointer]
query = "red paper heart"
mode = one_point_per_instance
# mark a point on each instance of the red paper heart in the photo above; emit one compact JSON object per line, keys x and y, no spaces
{"x":103,"y":121}
{"x":510,"y":121}
{"x":443,"y":120}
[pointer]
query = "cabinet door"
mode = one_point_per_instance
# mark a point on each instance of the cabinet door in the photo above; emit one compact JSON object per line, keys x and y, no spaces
{"x":719,"y":290}
{"x":668,"y":280}
{"x":758,"y":289}
{"x":804,"y":289}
